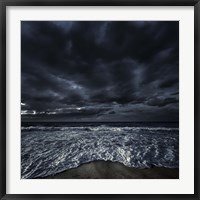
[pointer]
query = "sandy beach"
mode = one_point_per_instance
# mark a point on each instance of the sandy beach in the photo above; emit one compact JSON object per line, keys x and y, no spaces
{"x":114,"y":170}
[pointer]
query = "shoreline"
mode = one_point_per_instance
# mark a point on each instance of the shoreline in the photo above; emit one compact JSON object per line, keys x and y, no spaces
{"x":114,"y":170}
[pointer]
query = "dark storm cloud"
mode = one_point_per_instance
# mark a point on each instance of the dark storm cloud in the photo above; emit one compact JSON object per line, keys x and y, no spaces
{"x":169,"y":83}
{"x":161,"y":102}
{"x":100,"y":70}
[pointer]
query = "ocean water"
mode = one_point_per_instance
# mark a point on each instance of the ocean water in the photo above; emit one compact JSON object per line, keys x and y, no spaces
{"x":50,"y":148}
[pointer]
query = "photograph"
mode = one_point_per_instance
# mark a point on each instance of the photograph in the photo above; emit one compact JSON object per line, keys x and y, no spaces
{"x":99,"y":99}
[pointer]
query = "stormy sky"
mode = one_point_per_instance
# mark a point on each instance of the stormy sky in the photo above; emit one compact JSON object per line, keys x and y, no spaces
{"x":100,"y":71}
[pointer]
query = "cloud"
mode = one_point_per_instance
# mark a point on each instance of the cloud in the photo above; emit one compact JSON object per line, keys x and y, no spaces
{"x":161,"y":102}
{"x":106,"y":67}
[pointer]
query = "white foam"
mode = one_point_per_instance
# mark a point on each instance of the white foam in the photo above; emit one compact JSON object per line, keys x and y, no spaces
{"x":49,"y":150}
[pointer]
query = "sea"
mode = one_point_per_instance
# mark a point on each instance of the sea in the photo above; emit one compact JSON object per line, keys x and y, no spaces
{"x":48,"y":148}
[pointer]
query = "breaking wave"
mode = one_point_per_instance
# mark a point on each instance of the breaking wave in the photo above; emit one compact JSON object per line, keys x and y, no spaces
{"x":50,"y":150}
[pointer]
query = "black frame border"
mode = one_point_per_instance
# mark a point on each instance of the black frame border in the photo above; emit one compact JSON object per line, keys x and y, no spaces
{"x":5,"y":3}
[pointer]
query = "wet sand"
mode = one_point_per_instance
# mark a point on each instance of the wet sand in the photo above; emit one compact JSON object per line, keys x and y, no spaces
{"x":114,"y":170}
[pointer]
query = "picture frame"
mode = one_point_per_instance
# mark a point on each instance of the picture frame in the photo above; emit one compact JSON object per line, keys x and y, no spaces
{"x":3,"y":100}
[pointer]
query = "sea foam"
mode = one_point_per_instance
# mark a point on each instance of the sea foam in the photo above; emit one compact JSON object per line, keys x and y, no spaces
{"x":50,"y":150}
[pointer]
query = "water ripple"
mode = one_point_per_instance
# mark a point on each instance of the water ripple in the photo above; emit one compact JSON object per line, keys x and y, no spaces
{"x":48,"y":150}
